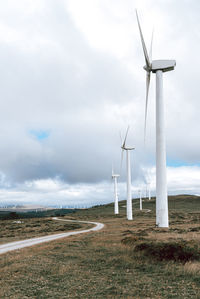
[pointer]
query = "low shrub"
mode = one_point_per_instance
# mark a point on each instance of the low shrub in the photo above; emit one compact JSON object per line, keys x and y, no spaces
{"x":131,"y":241}
{"x":175,"y":251}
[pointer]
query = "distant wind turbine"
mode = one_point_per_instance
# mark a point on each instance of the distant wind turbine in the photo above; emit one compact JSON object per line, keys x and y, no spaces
{"x":129,"y":211}
{"x":149,"y":189}
{"x":158,"y":67}
{"x":140,"y":193}
{"x":116,"y":206}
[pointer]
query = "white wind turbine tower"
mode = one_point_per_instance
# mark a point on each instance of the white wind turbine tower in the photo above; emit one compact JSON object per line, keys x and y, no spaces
{"x":129,"y":211}
{"x":149,"y":191}
{"x":116,"y":206}
{"x":158,"y":67}
{"x":140,"y":193}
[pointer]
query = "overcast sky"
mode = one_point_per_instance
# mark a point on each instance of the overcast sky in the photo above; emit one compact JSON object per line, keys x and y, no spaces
{"x":72,"y":78}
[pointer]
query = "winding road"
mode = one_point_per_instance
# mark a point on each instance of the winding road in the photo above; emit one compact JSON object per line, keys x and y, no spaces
{"x":33,"y":241}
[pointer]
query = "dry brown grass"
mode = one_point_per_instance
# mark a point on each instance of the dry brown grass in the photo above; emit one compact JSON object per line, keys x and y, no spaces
{"x":192,"y":268}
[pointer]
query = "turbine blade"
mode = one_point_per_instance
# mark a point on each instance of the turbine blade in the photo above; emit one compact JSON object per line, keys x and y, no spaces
{"x":125,"y":137}
{"x":148,"y":64}
{"x":148,"y":78}
{"x":112,"y":170}
{"x":120,"y":136}
{"x":151,"y":45}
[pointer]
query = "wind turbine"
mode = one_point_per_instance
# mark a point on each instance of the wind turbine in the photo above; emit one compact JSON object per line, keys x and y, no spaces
{"x":129,"y":211}
{"x":158,"y":67}
{"x":116,"y":207}
{"x":149,"y":189}
{"x":140,"y":193}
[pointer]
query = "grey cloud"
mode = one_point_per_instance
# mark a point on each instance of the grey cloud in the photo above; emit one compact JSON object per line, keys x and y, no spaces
{"x":53,"y":79}
{"x":63,"y":86}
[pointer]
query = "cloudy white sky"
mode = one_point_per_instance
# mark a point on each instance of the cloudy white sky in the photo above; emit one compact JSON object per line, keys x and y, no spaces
{"x":71,"y":78}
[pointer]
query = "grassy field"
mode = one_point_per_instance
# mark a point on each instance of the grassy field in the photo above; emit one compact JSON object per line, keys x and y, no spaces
{"x":14,"y":230}
{"x":127,"y":259}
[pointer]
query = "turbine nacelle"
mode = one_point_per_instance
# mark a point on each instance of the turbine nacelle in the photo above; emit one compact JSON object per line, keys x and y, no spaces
{"x":162,"y":65}
{"x":115,"y":176}
{"x":127,"y":148}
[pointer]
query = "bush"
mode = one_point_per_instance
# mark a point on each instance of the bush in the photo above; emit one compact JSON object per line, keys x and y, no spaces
{"x":12,"y":215}
{"x":169,"y":251}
